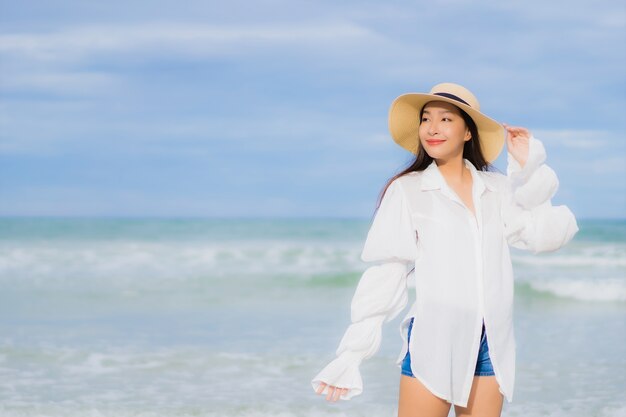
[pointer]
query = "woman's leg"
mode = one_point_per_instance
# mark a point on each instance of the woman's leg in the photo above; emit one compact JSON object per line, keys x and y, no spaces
{"x":417,"y":401}
{"x":485,"y":399}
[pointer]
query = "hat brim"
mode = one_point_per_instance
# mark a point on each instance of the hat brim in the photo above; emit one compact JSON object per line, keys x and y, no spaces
{"x":404,"y":124}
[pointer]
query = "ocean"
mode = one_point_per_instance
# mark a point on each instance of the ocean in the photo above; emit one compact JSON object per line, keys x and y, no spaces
{"x":234,"y":317}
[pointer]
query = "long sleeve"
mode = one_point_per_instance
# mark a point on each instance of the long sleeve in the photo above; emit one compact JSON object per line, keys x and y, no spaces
{"x":531,"y":222}
{"x":381,"y":293}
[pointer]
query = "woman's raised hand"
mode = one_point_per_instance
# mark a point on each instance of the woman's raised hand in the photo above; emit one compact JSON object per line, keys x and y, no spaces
{"x":333,"y":392}
{"x":517,"y":142}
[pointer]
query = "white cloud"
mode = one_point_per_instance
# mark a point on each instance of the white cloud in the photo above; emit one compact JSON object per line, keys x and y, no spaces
{"x":69,"y":82}
{"x":578,"y":139}
{"x":610,"y":165}
{"x":78,"y":42}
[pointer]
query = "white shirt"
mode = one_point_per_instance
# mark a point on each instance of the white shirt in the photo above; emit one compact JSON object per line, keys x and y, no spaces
{"x":463,"y":273}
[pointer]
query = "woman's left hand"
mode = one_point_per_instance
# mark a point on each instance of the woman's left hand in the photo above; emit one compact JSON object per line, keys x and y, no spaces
{"x":517,"y":141}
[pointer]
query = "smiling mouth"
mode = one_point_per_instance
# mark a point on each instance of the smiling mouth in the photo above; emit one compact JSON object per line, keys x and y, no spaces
{"x":434,"y":141}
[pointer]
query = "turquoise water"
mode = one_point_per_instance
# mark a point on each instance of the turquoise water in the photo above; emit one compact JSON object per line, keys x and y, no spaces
{"x":196,"y":317}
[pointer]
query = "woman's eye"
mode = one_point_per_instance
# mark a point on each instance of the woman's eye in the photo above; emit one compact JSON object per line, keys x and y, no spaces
{"x":446,"y":119}
{"x":424,"y":119}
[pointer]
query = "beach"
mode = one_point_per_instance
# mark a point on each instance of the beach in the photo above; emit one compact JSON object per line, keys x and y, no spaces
{"x":234,"y":317}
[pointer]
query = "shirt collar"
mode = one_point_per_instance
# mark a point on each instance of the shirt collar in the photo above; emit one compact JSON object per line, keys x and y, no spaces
{"x":432,"y":179}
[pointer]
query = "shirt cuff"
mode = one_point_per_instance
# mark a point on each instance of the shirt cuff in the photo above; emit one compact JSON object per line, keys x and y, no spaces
{"x":343,"y":372}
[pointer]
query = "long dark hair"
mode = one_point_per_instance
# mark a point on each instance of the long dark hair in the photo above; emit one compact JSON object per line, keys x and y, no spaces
{"x":471,"y":151}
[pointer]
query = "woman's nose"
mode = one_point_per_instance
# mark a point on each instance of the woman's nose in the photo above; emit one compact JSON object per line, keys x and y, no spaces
{"x":433,"y":128}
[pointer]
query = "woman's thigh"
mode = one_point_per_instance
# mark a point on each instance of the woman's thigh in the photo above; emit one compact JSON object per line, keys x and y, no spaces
{"x":417,"y":401}
{"x":485,"y":399}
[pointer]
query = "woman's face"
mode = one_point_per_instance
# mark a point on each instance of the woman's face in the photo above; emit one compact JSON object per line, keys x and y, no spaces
{"x":443,"y":131}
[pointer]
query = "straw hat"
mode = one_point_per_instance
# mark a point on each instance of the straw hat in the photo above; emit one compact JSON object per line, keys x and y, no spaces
{"x":404,"y":118}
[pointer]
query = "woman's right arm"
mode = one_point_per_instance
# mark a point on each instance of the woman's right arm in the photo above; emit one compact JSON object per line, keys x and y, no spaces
{"x":381,"y":295}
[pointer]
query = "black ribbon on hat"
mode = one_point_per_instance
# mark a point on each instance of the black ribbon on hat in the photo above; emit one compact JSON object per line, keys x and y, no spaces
{"x":453,"y":97}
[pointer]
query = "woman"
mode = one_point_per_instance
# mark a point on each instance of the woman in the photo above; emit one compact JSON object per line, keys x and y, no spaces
{"x":446,"y":222}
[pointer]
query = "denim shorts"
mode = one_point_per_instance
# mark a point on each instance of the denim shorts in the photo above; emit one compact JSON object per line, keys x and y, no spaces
{"x":483,"y":364}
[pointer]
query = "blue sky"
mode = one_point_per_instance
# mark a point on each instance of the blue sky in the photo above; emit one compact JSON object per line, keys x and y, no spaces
{"x":279,"y":108}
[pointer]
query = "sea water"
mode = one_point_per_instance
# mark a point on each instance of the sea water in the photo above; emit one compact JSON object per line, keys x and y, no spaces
{"x":210,"y":317}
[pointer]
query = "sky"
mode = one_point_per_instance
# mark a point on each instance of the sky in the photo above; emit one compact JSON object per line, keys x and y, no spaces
{"x":279,"y":108}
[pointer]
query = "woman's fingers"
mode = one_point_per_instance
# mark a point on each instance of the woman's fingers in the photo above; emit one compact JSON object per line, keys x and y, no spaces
{"x":516,"y":130}
{"x":517,"y":141}
{"x":333,"y":392}
{"x":338,"y":393}
{"x":321,"y":388}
